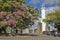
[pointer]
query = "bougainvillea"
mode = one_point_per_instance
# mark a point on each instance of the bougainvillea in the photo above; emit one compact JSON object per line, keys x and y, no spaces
{"x":11,"y":21}
{"x":23,"y":8}
{"x":18,"y":14}
{"x":2,"y":15}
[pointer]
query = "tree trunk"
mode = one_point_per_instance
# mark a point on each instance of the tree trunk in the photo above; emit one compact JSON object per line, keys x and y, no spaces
{"x":21,"y":31}
{"x":13,"y":31}
{"x":58,"y":29}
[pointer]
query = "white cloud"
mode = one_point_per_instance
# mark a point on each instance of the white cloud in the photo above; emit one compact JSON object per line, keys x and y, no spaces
{"x":50,"y":1}
{"x":52,"y":9}
{"x":58,"y":2}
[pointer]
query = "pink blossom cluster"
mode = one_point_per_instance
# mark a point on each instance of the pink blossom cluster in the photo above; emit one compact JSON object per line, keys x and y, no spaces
{"x":2,"y":15}
{"x":23,"y":8}
{"x":11,"y":21}
{"x":18,"y":14}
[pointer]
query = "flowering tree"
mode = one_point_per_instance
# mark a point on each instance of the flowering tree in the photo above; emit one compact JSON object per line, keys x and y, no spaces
{"x":11,"y":22}
{"x":17,"y":14}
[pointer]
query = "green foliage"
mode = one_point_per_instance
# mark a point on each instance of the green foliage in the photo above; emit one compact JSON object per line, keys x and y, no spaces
{"x":27,"y":16}
{"x":54,"y":17}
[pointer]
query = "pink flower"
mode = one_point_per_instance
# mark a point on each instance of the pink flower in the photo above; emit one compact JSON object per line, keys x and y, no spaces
{"x":19,"y":16}
{"x":2,"y":15}
{"x":11,"y":21}
{"x":23,"y":8}
{"x":18,"y":13}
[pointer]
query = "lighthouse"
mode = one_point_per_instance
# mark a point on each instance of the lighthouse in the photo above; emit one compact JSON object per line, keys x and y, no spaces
{"x":43,"y":16}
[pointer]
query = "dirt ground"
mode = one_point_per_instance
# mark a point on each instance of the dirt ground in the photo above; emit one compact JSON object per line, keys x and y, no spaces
{"x":38,"y":37}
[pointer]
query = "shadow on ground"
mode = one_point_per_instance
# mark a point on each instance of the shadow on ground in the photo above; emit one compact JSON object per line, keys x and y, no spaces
{"x":20,"y":35}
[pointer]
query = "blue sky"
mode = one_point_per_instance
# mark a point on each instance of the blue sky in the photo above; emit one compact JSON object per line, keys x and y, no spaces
{"x":38,"y":3}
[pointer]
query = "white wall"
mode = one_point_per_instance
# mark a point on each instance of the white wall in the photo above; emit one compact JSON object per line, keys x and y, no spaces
{"x":26,"y":31}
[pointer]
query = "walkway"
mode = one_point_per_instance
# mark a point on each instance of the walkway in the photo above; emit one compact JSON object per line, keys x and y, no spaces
{"x":40,"y":37}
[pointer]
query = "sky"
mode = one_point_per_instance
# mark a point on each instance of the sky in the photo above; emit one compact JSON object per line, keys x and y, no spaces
{"x":38,"y":3}
{"x":49,"y":5}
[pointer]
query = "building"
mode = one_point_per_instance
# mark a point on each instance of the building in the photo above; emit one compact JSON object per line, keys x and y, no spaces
{"x":40,"y":24}
{"x":44,"y":12}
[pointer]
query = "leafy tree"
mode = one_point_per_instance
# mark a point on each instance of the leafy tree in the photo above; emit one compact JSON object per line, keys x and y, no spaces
{"x":54,"y":17}
{"x":17,"y":14}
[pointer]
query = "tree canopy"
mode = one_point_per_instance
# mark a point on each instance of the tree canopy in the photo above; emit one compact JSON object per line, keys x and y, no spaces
{"x":54,"y":17}
{"x":17,"y":13}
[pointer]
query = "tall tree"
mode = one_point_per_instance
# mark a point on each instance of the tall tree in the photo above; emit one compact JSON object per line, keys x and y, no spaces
{"x":54,"y":17}
{"x":17,"y":14}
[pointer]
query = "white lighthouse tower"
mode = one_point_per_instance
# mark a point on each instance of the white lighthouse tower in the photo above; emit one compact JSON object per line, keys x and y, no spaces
{"x":43,"y":15}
